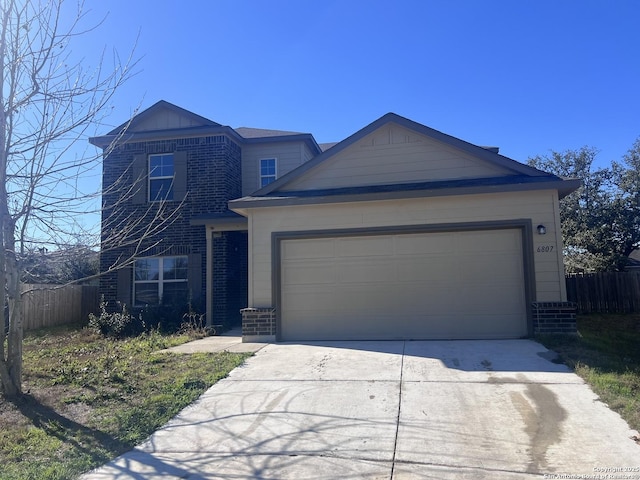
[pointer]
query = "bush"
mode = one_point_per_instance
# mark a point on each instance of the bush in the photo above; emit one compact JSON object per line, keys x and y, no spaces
{"x":165,"y":318}
{"x":112,"y":324}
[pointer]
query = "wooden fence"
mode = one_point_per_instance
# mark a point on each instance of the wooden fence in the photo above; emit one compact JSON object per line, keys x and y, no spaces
{"x":615,"y":292}
{"x":49,"y":305}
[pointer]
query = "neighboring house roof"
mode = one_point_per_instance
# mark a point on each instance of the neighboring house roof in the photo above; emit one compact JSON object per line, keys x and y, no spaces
{"x":520,"y":176}
{"x":633,"y":261}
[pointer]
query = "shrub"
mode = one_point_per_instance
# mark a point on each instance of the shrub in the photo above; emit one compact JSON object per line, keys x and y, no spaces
{"x":163,"y":317}
{"x":112,"y":324}
{"x":172,"y":318}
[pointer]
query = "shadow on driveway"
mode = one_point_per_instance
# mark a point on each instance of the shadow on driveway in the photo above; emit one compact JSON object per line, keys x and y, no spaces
{"x":388,"y":409}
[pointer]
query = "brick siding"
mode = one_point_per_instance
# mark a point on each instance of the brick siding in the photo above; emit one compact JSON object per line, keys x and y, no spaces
{"x":554,"y":317}
{"x":213,"y":178}
{"x":258,"y":322}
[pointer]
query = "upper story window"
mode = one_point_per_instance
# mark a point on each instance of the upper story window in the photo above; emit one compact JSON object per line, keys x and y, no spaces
{"x":268,"y":171}
{"x":161,"y":174}
{"x":160,"y":279}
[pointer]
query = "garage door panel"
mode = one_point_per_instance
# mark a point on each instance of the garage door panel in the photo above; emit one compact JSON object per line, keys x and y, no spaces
{"x":483,"y":301}
{"x":425,"y":285}
{"x":495,"y":268}
{"x":309,"y":249}
{"x":374,"y":269}
{"x":416,"y":244}
{"x":424,"y":268}
{"x":303,"y":298}
{"x":499,"y":241}
{"x":310,"y":272}
{"x":363,"y":246}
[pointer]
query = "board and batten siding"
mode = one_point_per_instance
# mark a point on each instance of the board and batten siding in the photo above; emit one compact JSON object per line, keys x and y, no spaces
{"x":165,"y":120}
{"x":539,"y":206}
{"x":394,"y":155}
{"x":289,"y":155}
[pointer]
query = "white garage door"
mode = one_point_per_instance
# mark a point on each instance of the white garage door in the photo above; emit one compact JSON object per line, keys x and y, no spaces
{"x":449,"y":285}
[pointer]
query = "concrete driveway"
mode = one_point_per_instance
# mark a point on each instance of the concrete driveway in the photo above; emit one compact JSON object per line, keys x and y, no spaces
{"x":395,"y":409}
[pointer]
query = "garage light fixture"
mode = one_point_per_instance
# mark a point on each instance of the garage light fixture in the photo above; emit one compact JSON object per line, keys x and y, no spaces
{"x":542,"y":230}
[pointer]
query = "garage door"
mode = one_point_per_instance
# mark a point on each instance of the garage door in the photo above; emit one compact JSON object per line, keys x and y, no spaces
{"x":445,"y":285}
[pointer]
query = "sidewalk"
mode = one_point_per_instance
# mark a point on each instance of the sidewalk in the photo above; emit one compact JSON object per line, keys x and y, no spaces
{"x":230,"y":341}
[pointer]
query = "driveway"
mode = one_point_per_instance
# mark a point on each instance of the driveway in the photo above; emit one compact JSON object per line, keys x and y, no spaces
{"x":390,"y":410}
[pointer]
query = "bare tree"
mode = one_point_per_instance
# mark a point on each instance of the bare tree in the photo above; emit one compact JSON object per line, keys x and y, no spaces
{"x":48,"y":101}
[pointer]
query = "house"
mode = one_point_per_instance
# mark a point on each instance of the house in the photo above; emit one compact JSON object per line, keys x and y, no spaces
{"x":398,"y":231}
{"x":633,"y":261}
{"x":192,"y":166}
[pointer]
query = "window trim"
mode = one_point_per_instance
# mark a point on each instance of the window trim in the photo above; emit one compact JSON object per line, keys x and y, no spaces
{"x":261,"y":176}
{"x":161,"y":281}
{"x":151,"y":179}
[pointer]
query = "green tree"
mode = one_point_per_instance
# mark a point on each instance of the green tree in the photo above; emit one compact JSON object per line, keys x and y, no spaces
{"x":600,"y":220}
{"x":625,"y":182}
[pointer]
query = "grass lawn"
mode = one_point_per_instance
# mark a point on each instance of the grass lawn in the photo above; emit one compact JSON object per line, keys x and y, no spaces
{"x":606,"y":354}
{"x":88,"y":399}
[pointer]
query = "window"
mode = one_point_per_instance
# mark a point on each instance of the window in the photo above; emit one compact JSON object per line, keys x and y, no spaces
{"x":161,"y":173}
{"x":160,"y":279}
{"x":267,"y":171}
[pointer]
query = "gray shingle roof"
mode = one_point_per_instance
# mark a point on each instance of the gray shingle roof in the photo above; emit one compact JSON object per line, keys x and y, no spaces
{"x":248,"y":132}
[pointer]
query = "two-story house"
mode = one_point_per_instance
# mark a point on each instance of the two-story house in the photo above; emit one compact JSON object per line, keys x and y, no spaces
{"x":398,"y":231}
{"x":168,"y":175}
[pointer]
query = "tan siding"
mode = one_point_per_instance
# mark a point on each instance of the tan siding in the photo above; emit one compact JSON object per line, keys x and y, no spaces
{"x":395,"y":155}
{"x":289,"y":155}
{"x":165,"y":120}
{"x":537,"y":206}
{"x":307,"y":154}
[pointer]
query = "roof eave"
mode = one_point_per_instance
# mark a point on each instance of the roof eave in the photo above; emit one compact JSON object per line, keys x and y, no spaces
{"x":564,"y":187}
{"x":478,"y":151}
{"x":304,"y":137}
{"x":105,"y":141}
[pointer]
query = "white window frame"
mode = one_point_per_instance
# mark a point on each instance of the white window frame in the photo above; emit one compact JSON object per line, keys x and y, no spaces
{"x":273,"y":176}
{"x":160,"y":281}
{"x":166,"y":177}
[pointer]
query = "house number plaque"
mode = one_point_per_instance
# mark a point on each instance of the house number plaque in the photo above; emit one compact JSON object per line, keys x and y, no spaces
{"x":545,"y":249}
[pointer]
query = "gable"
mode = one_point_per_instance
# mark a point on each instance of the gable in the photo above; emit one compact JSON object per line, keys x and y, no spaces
{"x":164,"y":120}
{"x":163,"y":116}
{"x":395,"y":154}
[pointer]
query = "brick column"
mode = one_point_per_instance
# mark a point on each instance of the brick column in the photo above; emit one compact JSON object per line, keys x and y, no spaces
{"x":554,"y":317}
{"x":258,"y":324}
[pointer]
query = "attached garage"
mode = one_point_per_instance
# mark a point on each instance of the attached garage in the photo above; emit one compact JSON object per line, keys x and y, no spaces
{"x":421,"y":285}
{"x":403,"y":232}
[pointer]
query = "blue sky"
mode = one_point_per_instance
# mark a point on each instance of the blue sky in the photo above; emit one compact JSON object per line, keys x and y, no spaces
{"x":527,"y":76}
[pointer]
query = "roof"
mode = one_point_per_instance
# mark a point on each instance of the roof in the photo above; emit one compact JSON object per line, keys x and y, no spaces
{"x":523,"y":177}
{"x":153,"y":109}
{"x":407,"y":190}
{"x":126,"y":132}
{"x":326,"y":146}
{"x":222,"y":220}
{"x":248,"y":132}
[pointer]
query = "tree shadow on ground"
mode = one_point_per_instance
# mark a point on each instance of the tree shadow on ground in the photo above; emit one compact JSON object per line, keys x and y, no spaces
{"x":98,"y":445}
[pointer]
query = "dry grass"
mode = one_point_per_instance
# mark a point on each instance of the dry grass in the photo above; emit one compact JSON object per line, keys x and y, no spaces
{"x":88,"y":399}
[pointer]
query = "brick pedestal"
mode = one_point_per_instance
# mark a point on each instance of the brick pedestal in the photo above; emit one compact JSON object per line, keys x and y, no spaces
{"x":554,"y":317}
{"x":258,"y":324}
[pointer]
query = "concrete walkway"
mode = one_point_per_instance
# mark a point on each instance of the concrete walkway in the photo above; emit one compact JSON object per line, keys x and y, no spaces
{"x":230,"y":341}
{"x":390,"y":410}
